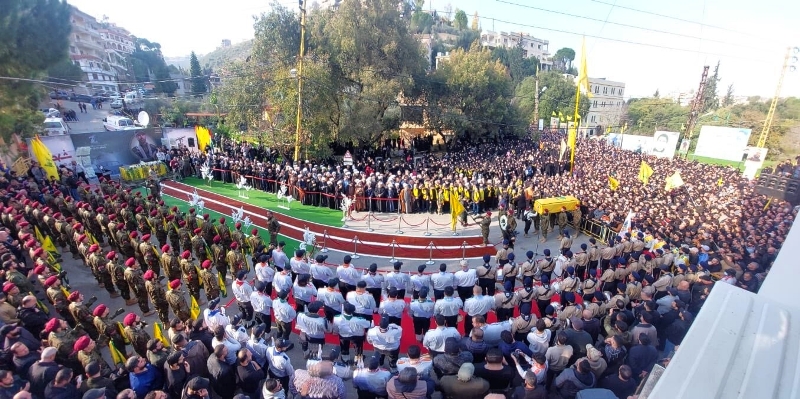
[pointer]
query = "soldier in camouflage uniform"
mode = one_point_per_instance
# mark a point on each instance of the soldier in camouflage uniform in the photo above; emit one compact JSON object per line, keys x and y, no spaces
{"x":149,"y":254}
{"x":209,"y":231}
{"x":190,"y":275}
{"x":274,"y":227}
{"x":111,"y":226}
{"x":224,"y":233}
{"x":218,"y":257}
{"x":237,"y":236}
{"x":184,"y":236}
{"x":158,"y":225}
{"x":177,"y":301}
{"x":88,"y":352}
{"x":191,"y":220}
{"x":254,"y":242}
{"x":133,"y":275}
{"x":142,"y":222}
{"x":63,"y":338}
{"x":93,"y":259}
{"x":137,"y":254}
{"x":236,"y":260}
{"x":80,"y":312}
{"x":116,"y":270}
{"x":172,"y":233}
{"x":102,"y":222}
{"x":210,"y":281}
{"x":127,"y":217}
{"x":157,"y":296}
{"x":137,"y":336}
{"x":124,"y":242}
{"x":107,"y":328}
{"x":58,"y":298}
{"x":199,"y":247}
{"x":170,"y":263}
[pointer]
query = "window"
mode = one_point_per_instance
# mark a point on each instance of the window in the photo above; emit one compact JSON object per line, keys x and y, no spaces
{"x":620,"y":92}
{"x":593,"y":117}
{"x":596,"y":89}
{"x":594,"y":105}
{"x":94,"y":76}
{"x":91,"y":64}
{"x":612,"y":90}
{"x":605,"y":90}
{"x":603,"y":104}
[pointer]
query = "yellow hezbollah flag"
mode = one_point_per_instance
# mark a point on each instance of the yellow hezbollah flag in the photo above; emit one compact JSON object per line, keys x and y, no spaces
{"x":645,"y":171}
{"x":117,"y":356}
{"x":122,"y":333}
{"x":222,"y":288}
{"x":673,"y":181}
{"x":613,"y":183}
{"x":203,"y":137}
{"x":194,"y":309}
{"x":159,"y":334}
{"x":44,"y":157}
{"x":583,"y":72}
{"x":456,"y":207}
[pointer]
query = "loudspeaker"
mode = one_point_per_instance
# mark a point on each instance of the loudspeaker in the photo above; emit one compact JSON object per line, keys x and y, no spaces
{"x":191,"y":141}
{"x":779,"y":187}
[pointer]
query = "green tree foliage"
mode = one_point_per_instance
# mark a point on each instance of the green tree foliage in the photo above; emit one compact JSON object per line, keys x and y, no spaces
{"x":65,"y":73}
{"x":198,"y":80}
{"x":466,"y":38}
{"x":472,"y":92}
{"x":421,"y":22}
{"x":277,"y":36}
{"x":646,"y":115}
{"x":148,"y":65}
{"x":728,"y":100}
{"x":710,"y":96}
{"x":460,"y":20}
{"x":27,"y":28}
{"x":475,"y":25}
{"x":557,"y":94}
{"x":518,"y":66}
{"x":563,"y":59}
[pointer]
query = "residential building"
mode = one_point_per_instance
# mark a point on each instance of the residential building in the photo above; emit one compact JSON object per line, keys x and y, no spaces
{"x":226,"y":43}
{"x":442,"y":57}
{"x":119,"y":44}
{"x":532,"y":47}
{"x":332,"y":4}
{"x":87,"y":49}
{"x":607,"y":103}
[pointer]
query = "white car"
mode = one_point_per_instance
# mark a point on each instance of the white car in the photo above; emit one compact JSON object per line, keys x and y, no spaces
{"x":112,"y":123}
{"x":55,"y":127}
{"x":116,"y":104}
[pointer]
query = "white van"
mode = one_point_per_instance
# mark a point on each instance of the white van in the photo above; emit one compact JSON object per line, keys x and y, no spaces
{"x":112,"y":123}
{"x":131,"y":97}
{"x":55,"y":127}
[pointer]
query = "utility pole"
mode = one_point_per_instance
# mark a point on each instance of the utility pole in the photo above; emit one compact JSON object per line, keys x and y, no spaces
{"x":697,"y":105}
{"x":300,"y":82}
{"x":762,"y":138}
{"x":536,"y":104}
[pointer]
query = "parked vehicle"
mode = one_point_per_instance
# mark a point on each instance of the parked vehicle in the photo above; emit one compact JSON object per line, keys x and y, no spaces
{"x":55,"y":127}
{"x":116,"y":104}
{"x":80,"y":98}
{"x":59,"y":95}
{"x":118,"y":123}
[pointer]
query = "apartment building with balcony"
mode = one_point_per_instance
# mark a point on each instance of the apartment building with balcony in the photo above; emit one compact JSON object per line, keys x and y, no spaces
{"x":532,"y":47}
{"x":88,"y":50}
{"x":607,"y":104}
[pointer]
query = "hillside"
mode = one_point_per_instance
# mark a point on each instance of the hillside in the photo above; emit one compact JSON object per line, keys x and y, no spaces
{"x":220,"y":56}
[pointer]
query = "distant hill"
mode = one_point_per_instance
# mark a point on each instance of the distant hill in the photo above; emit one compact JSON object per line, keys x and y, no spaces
{"x":216,"y":58}
{"x":221,"y":56}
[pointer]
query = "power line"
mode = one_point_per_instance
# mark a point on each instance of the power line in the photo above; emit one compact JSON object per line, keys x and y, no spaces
{"x":750,"y":34}
{"x":629,"y":26}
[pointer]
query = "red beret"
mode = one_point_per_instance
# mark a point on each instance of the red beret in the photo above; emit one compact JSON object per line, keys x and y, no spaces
{"x":112,"y":216}
{"x":234,"y":245}
{"x":148,"y":275}
{"x":170,"y":217}
{"x":74,"y":296}
{"x":52,"y":324}
{"x":174,"y":284}
{"x":191,"y":210}
{"x":206,"y":264}
{"x":94,"y":247}
{"x":46,"y":209}
{"x":165,"y":248}
{"x":57,"y":215}
{"x":77,"y":226}
{"x":129,"y":319}
{"x":181,"y":223}
{"x":25,"y":237}
{"x":254,"y":232}
{"x":186,"y":254}
{"x":30,"y":243}
{"x":222,"y":220}
{"x":50,"y":281}
{"x":134,"y":234}
{"x":206,"y":216}
{"x":238,"y":225}
{"x":111,"y":255}
{"x":161,"y":202}
{"x":198,"y":231}
{"x":17,"y":216}
{"x":139,"y":209}
{"x":174,"y":209}
{"x":100,"y":209}
{"x":146,"y":237}
{"x":153,"y":212}
{"x":8,"y":286}
{"x":127,"y":190}
{"x":38,"y":269}
{"x":138,"y":194}
{"x":82,"y":237}
{"x":82,"y":343}
{"x":38,"y":252}
{"x":98,"y":311}
{"x":130,"y":262}
{"x":217,"y":239}
{"x":24,"y":224}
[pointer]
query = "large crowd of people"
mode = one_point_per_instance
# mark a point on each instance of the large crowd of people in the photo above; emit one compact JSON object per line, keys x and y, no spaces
{"x":596,"y":315}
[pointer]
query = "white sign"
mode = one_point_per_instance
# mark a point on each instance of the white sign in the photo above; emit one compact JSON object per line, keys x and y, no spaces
{"x":61,"y":147}
{"x":684,"y":148}
{"x":664,"y":143}
{"x":631,"y":142}
{"x":721,"y":142}
{"x":754,"y":159}
{"x":348,"y":159}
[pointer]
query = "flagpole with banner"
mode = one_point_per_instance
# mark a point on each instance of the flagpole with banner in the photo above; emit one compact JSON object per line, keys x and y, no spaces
{"x":583,"y":83}
{"x":44,"y":157}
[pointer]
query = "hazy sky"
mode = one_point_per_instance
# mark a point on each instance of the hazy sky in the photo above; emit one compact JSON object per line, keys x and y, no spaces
{"x":749,"y":38}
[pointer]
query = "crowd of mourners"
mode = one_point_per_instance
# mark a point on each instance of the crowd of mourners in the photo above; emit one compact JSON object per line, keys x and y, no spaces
{"x":514,"y":325}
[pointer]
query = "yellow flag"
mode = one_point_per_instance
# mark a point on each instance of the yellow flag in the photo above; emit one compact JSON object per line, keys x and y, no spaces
{"x":613,"y":183}
{"x":719,"y":182}
{"x":223,"y":289}
{"x":673,"y":182}
{"x":554,"y":114}
{"x":116,"y":355}
{"x":44,"y":157}
{"x":767,"y":205}
{"x":159,"y":334}
{"x":194,"y":309}
{"x":122,"y":333}
{"x":38,"y":234}
{"x":203,"y":137}
{"x":583,"y":72}
{"x":645,"y":171}
{"x":560,"y":116}
{"x":456,"y":207}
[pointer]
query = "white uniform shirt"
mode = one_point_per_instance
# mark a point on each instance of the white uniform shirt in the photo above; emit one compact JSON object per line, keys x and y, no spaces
{"x":448,"y":306}
{"x":442,"y":280}
{"x":214,"y":318}
{"x":282,"y":282}
{"x":332,"y":299}
{"x":304,"y":293}
{"x":279,"y":258}
{"x":348,"y":275}
{"x":350,"y":326}
{"x":279,"y":363}
{"x":261,"y":303}
{"x":388,"y":340}
{"x":299,"y":266}
{"x":393,"y":307}
{"x":479,"y":305}
{"x":321,"y":272}
{"x":283,"y":311}
{"x":374,"y":281}
{"x":313,"y":325}
{"x":364,"y":302}
{"x":264,"y":272}
{"x":421,"y":309}
{"x":242,"y":290}
{"x":434,"y":339}
{"x":420,"y":280}
{"x":466,"y":278}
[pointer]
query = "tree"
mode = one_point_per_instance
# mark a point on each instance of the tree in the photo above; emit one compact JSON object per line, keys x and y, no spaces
{"x":26,"y":28}
{"x":563,"y":58}
{"x":559,"y":97}
{"x":148,"y":65}
{"x":421,"y":22}
{"x":646,"y":115}
{"x":278,"y":34}
{"x":710,"y":97}
{"x":198,"y":80}
{"x":475,"y":22}
{"x":728,"y":100}
{"x":65,"y":73}
{"x":460,"y":21}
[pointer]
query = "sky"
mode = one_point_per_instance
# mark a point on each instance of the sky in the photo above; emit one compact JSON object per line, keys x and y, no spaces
{"x":663,"y":46}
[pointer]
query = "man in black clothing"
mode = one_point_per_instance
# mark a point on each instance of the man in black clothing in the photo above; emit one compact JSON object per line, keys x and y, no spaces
{"x":642,"y":357}
{"x":622,"y":383}
{"x":530,"y":390}
{"x":248,"y":373}
{"x":222,"y":375}
{"x":177,"y":374}
{"x":44,"y":371}
{"x":62,"y":387}
{"x":31,"y":317}
{"x":95,"y":380}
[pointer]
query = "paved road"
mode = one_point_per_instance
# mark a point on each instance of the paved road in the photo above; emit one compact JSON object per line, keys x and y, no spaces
{"x":91,"y":121}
